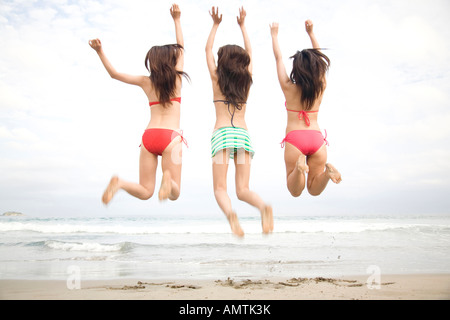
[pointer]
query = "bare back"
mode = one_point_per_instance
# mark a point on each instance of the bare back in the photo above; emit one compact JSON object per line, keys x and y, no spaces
{"x":292,"y":94}
{"x":168,"y":116}
{"x":223,"y":116}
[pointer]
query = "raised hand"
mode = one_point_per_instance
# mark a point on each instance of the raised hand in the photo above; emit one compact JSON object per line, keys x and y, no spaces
{"x":175,"y":11}
{"x":241,"y":17}
{"x":215,"y":15}
{"x":309,"y":29}
{"x":274,"y":29}
{"x":309,"y":26}
{"x":95,"y":44}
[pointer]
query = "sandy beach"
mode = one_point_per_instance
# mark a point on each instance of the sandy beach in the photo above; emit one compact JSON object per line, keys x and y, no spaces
{"x":391,"y":287}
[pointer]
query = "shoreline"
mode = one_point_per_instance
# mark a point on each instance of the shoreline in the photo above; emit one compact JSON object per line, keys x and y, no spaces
{"x":387,"y":287}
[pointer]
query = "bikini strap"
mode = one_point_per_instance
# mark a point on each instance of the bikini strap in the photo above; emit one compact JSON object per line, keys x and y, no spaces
{"x":227,"y":102}
{"x":178,"y":99}
{"x":224,"y":101}
{"x":182,"y":138}
{"x":302,"y":114}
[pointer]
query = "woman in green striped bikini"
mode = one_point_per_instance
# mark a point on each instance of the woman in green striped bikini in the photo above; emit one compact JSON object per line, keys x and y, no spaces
{"x":231,"y":80}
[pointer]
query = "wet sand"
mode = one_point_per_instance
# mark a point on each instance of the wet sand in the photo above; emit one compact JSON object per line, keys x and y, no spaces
{"x":389,"y":287}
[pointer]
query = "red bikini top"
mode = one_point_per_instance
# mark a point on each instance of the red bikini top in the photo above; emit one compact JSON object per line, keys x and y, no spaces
{"x":178,"y":99}
{"x":302,"y":114}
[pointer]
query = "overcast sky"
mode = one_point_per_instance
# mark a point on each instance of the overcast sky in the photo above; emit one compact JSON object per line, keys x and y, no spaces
{"x":66,"y":127}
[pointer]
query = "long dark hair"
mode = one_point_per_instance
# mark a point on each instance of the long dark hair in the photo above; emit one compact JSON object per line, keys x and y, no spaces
{"x":234,"y":78}
{"x":308,"y":72}
{"x":160,"y":61}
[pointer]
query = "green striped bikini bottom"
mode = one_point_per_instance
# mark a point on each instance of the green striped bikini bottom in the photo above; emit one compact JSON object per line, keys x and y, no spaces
{"x":232,"y":139}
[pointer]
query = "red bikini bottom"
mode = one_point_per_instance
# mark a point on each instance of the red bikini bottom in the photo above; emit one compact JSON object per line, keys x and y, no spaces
{"x":156,"y":140}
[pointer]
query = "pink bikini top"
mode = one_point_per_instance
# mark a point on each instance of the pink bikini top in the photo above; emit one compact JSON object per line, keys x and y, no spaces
{"x":157,"y":102}
{"x":302,"y":114}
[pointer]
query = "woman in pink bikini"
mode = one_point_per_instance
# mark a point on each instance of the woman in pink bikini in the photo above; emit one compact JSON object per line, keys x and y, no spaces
{"x":305,"y":146}
{"x":163,"y":136}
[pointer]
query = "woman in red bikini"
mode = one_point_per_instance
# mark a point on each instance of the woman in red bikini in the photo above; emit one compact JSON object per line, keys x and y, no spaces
{"x":163,"y":135}
{"x":305,"y":146}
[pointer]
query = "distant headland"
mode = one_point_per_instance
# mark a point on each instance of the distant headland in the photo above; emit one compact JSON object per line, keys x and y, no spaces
{"x":12,"y":213}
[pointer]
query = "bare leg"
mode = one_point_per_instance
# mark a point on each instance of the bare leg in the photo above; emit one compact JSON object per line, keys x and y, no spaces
{"x":296,"y":169}
{"x":171,"y":166}
{"x":220,"y":169}
{"x":267,"y":219}
{"x":165,"y":190}
{"x":321,"y":172}
{"x":146,"y":186}
{"x":244,"y":193}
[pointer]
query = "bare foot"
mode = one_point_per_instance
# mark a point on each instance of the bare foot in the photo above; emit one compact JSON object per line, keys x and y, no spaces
{"x":267,"y":219}
{"x":166,"y":186}
{"x":332,"y":173}
{"x":234,"y":224}
{"x":111,"y":190}
{"x":301,"y":164}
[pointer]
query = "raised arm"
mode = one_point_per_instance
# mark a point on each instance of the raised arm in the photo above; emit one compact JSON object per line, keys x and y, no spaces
{"x":210,"y":42}
{"x":309,"y":29}
{"x":247,"y":45}
{"x":130,"y":79}
{"x":176,"y":15}
{"x":283,"y":78}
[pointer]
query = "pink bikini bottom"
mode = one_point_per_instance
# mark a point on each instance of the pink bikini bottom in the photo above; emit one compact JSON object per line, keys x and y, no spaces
{"x":306,"y":141}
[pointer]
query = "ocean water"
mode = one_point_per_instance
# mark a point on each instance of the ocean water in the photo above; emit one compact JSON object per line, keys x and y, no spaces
{"x":204,"y":248}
